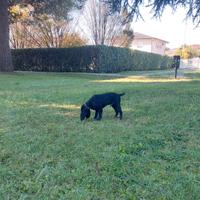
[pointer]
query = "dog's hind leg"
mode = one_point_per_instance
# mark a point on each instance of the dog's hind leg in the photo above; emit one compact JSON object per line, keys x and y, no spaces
{"x":119,"y":110}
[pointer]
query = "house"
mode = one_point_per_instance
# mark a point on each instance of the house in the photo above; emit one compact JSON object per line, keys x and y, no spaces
{"x":147,"y":43}
{"x":171,"y":52}
{"x":195,"y":47}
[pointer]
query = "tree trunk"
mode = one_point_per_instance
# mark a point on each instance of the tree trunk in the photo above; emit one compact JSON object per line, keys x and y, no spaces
{"x":5,"y":52}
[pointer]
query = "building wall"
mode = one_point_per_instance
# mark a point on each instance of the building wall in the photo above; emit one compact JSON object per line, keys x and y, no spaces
{"x":192,"y":63}
{"x":149,"y":45}
{"x":158,"y":46}
{"x":142,"y":45}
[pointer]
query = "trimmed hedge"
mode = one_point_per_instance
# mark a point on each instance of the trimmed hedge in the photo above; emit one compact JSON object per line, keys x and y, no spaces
{"x":87,"y":59}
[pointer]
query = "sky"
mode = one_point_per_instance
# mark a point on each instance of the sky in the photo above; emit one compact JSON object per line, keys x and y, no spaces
{"x":170,"y":27}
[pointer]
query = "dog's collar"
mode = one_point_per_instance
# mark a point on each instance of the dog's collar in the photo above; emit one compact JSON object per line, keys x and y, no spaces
{"x":86,"y":106}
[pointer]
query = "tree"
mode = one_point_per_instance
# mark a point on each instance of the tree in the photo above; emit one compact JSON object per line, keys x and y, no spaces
{"x":157,"y":6}
{"x":40,"y":31}
{"x":187,"y":52}
{"x":73,"y":40}
{"x":20,"y":20}
{"x":102,"y":28}
{"x":57,"y":8}
{"x":44,"y":32}
{"x":5,"y":53}
{"x":51,"y":32}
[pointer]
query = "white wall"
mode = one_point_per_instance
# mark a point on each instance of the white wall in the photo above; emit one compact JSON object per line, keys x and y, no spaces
{"x":158,"y":47}
{"x":193,"y":63}
{"x":149,"y":45}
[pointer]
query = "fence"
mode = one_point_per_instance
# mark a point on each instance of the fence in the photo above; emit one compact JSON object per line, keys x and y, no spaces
{"x":193,"y":63}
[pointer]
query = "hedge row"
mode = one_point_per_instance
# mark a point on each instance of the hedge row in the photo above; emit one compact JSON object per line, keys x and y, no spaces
{"x":87,"y":59}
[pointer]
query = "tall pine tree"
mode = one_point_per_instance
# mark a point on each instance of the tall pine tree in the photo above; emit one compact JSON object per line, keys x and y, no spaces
{"x":5,"y":53}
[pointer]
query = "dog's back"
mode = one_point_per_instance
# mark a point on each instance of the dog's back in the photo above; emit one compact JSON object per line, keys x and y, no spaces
{"x":102,"y":100}
{"x":107,"y":95}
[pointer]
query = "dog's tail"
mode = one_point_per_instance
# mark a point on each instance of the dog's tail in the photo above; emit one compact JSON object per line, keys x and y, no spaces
{"x":122,"y":94}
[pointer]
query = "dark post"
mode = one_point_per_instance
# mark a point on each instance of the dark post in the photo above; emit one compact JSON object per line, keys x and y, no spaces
{"x":176,"y":64}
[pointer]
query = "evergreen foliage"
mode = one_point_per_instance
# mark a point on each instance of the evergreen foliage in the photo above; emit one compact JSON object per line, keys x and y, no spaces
{"x":87,"y":59}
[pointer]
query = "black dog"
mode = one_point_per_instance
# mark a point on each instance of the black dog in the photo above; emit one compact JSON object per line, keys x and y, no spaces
{"x":98,"y":102}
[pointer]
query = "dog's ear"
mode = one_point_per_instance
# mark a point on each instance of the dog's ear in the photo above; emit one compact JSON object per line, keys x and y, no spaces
{"x":82,"y":115}
{"x":87,"y":113}
{"x":82,"y":107}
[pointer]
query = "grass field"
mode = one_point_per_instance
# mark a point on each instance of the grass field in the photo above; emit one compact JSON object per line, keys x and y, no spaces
{"x":46,"y":153}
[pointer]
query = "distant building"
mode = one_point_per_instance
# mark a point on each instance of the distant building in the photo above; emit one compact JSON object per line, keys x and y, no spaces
{"x":149,"y":44}
{"x":171,"y":52}
{"x":192,"y":63}
{"x":195,"y":46}
{"x":195,"y":50}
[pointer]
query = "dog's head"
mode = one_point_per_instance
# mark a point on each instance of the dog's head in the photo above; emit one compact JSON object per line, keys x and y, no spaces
{"x":85,"y":112}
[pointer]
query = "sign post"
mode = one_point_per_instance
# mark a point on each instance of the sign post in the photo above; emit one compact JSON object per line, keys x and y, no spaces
{"x":176,"y":64}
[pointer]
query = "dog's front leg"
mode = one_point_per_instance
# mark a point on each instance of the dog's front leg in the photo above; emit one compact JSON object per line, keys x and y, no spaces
{"x":100,"y":111}
{"x":96,"y":114}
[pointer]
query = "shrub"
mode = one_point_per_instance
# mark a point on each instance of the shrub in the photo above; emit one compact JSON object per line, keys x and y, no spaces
{"x":87,"y":59}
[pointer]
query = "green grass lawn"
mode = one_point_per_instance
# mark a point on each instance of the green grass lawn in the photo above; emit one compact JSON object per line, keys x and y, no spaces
{"x":47,"y":153}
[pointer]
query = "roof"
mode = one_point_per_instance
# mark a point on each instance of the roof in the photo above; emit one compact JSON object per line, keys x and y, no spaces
{"x":195,"y":46}
{"x":143,"y":36}
{"x":171,"y":52}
